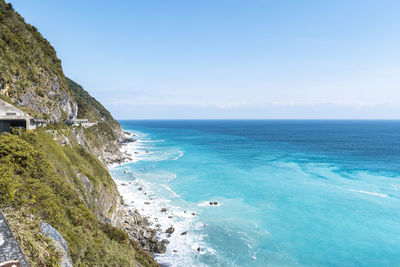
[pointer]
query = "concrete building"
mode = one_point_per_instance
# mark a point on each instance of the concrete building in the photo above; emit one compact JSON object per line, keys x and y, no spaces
{"x":11,"y":116}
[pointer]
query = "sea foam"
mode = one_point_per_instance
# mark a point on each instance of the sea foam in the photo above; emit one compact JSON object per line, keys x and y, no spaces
{"x":187,"y":241}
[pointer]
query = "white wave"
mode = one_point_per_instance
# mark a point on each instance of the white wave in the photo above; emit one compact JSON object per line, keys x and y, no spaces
{"x":174,"y":194}
{"x":171,"y":177}
{"x":181,"y":153}
{"x":182,"y":249}
{"x":145,"y":191}
{"x":368,"y":193}
{"x":254,"y":256}
{"x":207,"y":203}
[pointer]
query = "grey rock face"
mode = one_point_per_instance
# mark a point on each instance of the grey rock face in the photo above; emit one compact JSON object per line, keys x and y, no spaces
{"x":138,"y":229}
{"x":9,"y":247}
{"x":59,"y":243}
{"x":45,"y":97}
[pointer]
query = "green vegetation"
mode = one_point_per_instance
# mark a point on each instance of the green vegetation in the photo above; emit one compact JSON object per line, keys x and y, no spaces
{"x":50,"y":175}
{"x":38,"y":249}
{"x":38,"y":178}
{"x":24,"y":54}
{"x":91,"y":109}
{"x":31,"y":73}
{"x":88,"y":106}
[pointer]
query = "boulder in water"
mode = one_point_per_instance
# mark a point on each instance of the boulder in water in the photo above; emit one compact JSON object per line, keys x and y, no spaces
{"x":170,"y":230}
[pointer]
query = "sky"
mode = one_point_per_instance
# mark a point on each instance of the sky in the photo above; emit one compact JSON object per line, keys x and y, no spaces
{"x":229,"y":59}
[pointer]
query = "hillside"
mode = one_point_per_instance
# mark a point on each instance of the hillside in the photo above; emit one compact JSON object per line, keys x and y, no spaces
{"x":58,"y":174}
{"x":72,"y":192}
{"x":101,"y":139}
{"x":31,"y":73}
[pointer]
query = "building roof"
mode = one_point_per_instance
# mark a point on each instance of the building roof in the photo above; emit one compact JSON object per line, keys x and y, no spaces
{"x":7,"y":110}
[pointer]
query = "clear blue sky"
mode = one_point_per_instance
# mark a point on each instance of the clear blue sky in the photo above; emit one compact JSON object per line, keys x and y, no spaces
{"x":170,"y":59}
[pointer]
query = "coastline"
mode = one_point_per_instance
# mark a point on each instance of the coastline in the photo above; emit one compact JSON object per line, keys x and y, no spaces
{"x":130,"y":220}
{"x":168,"y":232}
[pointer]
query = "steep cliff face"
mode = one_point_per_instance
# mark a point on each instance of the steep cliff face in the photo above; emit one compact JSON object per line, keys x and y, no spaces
{"x":42,"y":180}
{"x":58,"y":174}
{"x":31,"y":75}
{"x":103,"y":137}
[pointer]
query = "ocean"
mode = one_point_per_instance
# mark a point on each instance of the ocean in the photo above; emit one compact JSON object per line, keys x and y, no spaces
{"x":288,"y":192}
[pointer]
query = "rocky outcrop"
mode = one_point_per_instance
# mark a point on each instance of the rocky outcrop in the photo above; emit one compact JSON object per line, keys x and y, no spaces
{"x":54,"y":102}
{"x":9,"y":247}
{"x":57,"y":103}
{"x":138,"y":229}
{"x":102,"y":143}
{"x":59,"y":243}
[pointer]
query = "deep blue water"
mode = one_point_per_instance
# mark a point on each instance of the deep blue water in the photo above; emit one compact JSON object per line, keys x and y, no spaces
{"x":291,"y":193}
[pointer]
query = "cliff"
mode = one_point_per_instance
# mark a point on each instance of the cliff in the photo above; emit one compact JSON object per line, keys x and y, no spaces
{"x":58,"y":175}
{"x":31,"y":73}
{"x":31,"y":77}
{"x":103,"y":138}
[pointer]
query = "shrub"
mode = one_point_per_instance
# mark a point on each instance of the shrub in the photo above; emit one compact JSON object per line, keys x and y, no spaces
{"x":38,"y":178}
{"x":115,"y":233}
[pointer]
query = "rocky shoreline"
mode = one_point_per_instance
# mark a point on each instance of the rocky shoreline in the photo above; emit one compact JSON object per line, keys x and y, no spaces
{"x":135,"y":225}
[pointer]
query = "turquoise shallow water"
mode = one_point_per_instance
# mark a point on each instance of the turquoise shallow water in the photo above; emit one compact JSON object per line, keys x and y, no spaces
{"x":291,"y":193}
